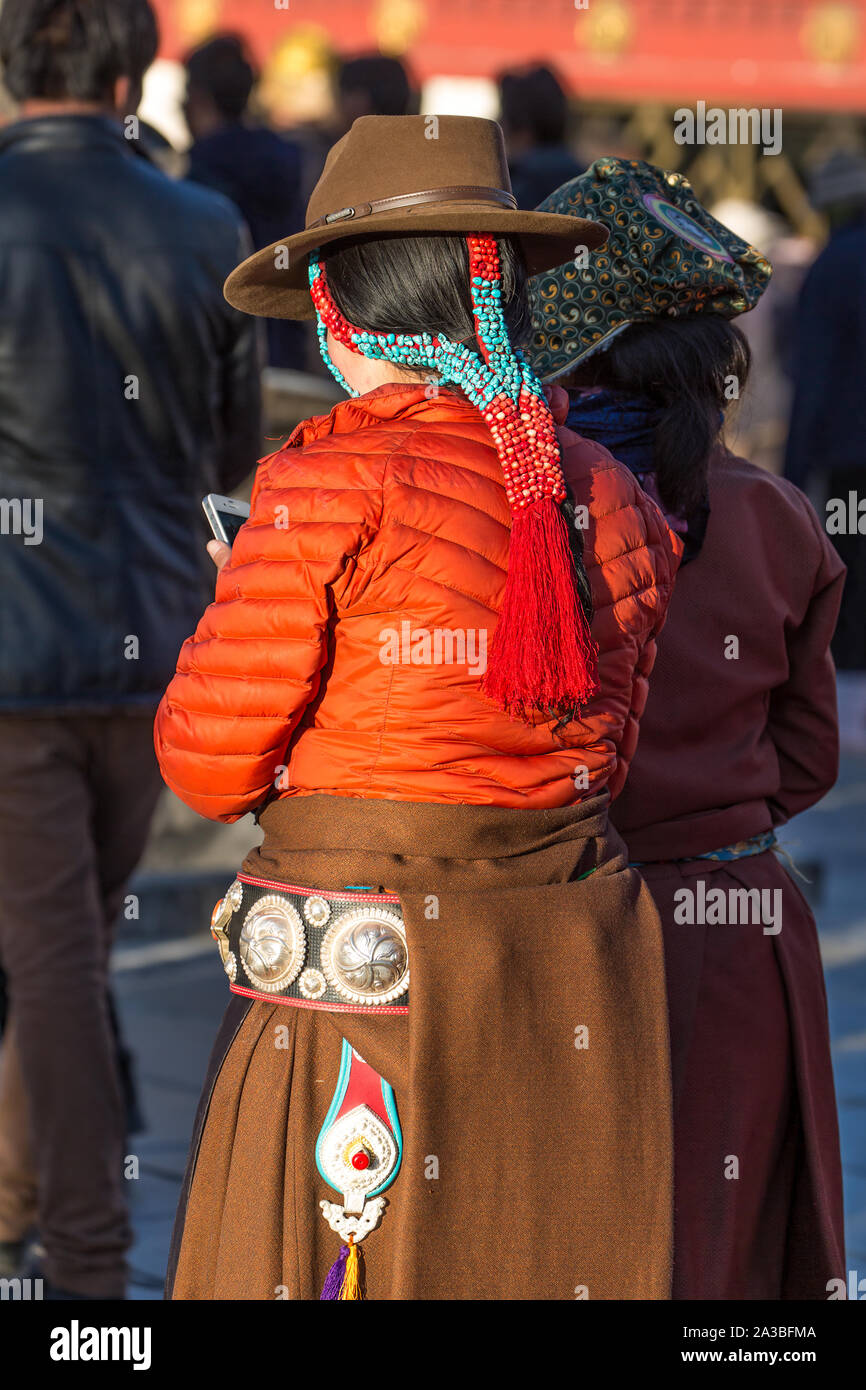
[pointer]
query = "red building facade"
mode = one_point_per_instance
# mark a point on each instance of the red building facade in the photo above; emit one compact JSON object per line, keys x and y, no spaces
{"x":807,"y":55}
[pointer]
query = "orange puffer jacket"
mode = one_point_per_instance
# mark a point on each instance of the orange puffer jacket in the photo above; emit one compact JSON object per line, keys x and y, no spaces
{"x":346,"y":646}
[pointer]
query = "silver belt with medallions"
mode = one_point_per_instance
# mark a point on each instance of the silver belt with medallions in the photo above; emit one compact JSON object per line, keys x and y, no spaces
{"x":315,"y":949}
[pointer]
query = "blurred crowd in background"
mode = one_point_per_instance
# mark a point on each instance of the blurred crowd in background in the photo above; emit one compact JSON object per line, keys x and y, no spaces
{"x":260,"y":135}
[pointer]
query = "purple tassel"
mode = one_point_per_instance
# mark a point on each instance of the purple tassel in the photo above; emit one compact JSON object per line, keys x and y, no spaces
{"x":334,"y":1280}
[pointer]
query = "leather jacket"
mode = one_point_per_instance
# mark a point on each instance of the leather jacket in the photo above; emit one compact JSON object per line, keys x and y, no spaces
{"x":128,"y":389}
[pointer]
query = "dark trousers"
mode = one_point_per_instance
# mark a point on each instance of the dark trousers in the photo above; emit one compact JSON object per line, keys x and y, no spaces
{"x":76,"y":798}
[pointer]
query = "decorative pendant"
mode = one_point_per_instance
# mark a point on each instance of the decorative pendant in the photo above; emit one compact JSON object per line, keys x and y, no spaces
{"x":356,"y":1226}
{"x":358,"y":1152}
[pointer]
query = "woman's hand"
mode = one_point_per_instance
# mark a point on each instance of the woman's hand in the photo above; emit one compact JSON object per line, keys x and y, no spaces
{"x":219,"y":553}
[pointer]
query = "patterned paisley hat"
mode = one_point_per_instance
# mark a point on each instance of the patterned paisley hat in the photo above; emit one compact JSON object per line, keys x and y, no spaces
{"x":665,"y":257}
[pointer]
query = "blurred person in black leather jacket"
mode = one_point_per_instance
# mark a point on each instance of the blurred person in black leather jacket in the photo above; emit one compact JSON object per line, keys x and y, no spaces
{"x":128,"y":389}
{"x":534,"y":119}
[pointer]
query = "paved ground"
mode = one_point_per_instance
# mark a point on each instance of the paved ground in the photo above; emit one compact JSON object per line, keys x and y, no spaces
{"x":834,"y":835}
{"x":172,"y":992}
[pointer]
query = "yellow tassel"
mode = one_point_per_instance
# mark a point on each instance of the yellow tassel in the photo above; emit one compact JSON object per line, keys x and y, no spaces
{"x":352,"y":1277}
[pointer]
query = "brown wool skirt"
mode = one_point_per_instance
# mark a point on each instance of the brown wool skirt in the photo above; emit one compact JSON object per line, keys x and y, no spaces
{"x":532,"y":1168}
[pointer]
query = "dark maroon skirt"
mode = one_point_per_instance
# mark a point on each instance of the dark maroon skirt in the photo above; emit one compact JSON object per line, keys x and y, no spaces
{"x":757,"y":1168}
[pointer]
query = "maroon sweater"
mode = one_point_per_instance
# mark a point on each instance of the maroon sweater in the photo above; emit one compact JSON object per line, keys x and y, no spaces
{"x":730,"y":747}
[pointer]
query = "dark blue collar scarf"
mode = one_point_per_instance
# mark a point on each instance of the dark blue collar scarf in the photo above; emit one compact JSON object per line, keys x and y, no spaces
{"x":626,"y":425}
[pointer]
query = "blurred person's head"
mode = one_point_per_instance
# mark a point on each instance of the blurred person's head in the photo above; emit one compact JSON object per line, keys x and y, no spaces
{"x":372,"y":85}
{"x":838,"y":187}
{"x":297,"y":82}
{"x":76,"y":55}
{"x":220,"y":79}
{"x":533,"y":108}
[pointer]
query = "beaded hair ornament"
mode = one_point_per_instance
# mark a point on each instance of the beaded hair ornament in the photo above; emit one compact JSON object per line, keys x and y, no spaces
{"x":542,"y":656}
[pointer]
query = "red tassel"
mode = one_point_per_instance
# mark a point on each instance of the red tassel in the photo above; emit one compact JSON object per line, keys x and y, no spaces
{"x":542,"y":656}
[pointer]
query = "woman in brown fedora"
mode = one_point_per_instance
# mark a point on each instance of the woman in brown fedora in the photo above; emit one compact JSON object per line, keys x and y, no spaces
{"x":423,"y":671}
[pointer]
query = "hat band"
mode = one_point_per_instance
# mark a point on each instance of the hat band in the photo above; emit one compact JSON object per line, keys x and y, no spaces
{"x":479,"y":193}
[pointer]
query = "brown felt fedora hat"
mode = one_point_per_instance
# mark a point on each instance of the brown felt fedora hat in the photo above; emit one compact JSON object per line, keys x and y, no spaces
{"x":393,"y":175}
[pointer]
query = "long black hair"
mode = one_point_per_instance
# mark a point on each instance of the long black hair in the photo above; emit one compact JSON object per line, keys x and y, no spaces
{"x":420,"y":284}
{"x":690,"y":368}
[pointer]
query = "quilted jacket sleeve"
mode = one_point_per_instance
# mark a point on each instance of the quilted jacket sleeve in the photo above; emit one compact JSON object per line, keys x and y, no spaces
{"x":253,"y":665}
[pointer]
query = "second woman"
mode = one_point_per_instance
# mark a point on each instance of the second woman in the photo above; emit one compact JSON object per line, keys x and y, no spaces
{"x":739,"y":732}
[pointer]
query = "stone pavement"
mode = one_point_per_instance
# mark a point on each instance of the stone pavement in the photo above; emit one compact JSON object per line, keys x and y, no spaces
{"x":171,"y":992}
{"x":833,"y":835}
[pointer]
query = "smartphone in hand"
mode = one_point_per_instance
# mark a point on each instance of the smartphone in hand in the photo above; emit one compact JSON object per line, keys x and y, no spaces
{"x":225,"y":516}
